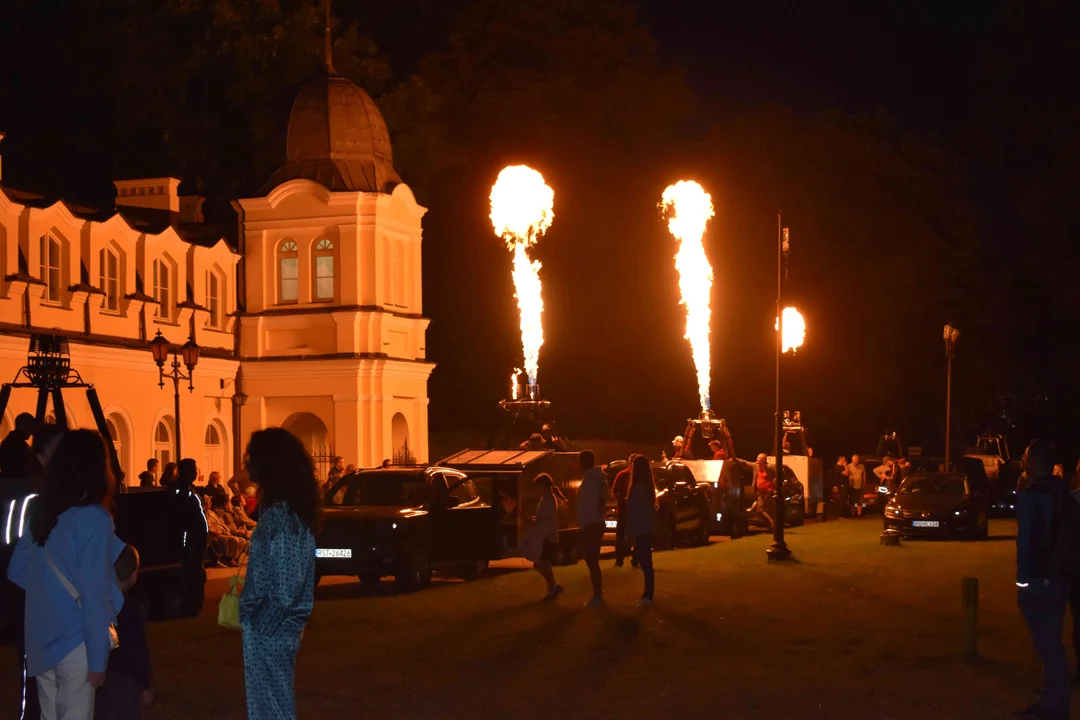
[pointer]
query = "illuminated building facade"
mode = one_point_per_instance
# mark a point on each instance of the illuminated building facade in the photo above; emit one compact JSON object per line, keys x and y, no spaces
{"x":314,"y":313}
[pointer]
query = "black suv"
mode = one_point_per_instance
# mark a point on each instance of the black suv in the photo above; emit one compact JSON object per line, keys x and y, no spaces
{"x":405,"y":522}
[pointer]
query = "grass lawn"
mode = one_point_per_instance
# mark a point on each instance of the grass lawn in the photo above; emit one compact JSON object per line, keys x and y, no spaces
{"x":850,"y":630}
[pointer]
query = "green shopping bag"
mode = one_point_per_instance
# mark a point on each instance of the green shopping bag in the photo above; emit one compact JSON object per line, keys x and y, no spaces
{"x":228,"y":611}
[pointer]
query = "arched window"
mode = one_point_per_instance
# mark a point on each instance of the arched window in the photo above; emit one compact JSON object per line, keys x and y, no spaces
{"x":163,"y":289}
{"x":109,"y":278}
{"x":50,"y":268}
{"x":118,"y":431}
{"x":288,"y":257}
{"x":163,"y":442}
{"x":114,"y":435}
{"x":399,"y":274}
{"x":214,"y":451}
{"x":213,"y":299}
{"x":324,"y":269}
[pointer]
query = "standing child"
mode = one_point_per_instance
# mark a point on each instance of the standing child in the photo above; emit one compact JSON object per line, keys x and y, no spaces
{"x":546,"y":526}
{"x":127,"y":680}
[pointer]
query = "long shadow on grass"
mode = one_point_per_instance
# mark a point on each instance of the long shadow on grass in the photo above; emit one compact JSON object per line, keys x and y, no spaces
{"x":389,"y":588}
{"x":585,"y":643}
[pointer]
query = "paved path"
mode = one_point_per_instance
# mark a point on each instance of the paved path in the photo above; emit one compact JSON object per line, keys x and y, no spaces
{"x":850,"y":630}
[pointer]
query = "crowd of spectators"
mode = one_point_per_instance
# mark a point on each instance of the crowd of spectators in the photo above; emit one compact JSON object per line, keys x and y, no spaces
{"x":229,"y":507}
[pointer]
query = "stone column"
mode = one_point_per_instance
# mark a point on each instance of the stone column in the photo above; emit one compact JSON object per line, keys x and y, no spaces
{"x":347,"y":430}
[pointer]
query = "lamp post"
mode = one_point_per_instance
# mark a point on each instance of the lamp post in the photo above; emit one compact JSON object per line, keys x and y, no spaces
{"x":189,"y":352}
{"x":951,"y":335}
{"x":778,"y":550}
{"x":239,"y":399}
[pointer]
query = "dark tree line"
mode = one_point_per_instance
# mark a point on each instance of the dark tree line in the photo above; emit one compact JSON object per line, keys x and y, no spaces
{"x":894,"y":233}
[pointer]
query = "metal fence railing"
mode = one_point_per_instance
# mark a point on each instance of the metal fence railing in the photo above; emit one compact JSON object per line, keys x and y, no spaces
{"x":323,"y":457}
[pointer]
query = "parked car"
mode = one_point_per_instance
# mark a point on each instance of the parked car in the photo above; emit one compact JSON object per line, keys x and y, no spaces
{"x":1003,"y":502}
{"x":939,"y":504}
{"x":729,"y":479}
{"x":684,"y":506}
{"x":405,"y":522}
{"x":878,"y":494}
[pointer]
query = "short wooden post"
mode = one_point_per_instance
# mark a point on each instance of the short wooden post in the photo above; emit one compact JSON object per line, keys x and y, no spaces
{"x":969,"y":599}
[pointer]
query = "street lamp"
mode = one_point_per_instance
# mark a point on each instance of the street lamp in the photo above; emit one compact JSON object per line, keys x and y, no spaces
{"x":189,"y":352}
{"x":951,"y":334}
{"x":779,"y":550}
{"x":239,"y":399}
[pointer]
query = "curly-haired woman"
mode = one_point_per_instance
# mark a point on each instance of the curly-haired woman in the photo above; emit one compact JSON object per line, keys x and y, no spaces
{"x":280,"y":584}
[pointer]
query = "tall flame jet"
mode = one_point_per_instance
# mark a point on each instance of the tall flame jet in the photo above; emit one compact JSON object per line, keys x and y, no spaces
{"x":521,"y":211}
{"x":688,"y":207}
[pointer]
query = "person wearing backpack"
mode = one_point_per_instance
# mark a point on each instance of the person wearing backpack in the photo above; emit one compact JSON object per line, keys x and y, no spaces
{"x":1047,"y":524}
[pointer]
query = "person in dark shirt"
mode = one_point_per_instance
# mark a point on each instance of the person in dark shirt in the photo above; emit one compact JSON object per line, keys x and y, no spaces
{"x":127,"y":688}
{"x":25,"y":427}
{"x":838,"y":487}
{"x":679,"y":451}
{"x":1042,"y":590}
{"x":189,"y":529}
{"x":168,"y":475}
{"x":18,"y":470}
{"x":148,"y":477}
{"x":214,"y":488}
{"x":552,"y":441}
{"x":535,"y":442}
{"x":16,"y":458}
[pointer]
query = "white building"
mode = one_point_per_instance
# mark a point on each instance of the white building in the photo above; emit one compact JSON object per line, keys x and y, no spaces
{"x":328,"y":341}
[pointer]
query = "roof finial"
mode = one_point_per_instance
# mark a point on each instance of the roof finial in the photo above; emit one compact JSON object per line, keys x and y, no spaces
{"x":329,"y":49}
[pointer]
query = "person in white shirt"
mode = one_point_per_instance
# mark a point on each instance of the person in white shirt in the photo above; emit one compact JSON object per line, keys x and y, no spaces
{"x":591,"y":500}
{"x":546,"y":529}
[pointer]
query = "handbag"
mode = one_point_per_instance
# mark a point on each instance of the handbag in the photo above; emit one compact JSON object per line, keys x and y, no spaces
{"x":114,"y":639}
{"x":228,"y":610}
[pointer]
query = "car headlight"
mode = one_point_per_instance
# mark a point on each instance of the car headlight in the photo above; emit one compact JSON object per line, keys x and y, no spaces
{"x":960,"y":513}
{"x":883,"y":489}
{"x":892,"y":512}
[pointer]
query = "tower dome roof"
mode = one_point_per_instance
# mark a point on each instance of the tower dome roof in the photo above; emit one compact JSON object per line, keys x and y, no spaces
{"x":337,"y":137}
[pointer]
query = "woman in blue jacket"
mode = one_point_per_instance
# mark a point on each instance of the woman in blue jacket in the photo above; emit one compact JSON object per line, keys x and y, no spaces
{"x":65,"y":565}
{"x":280,"y":584}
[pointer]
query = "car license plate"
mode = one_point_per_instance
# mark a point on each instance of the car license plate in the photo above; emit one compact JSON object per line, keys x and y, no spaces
{"x":611,"y":524}
{"x":333,"y":553}
{"x":924,"y":523}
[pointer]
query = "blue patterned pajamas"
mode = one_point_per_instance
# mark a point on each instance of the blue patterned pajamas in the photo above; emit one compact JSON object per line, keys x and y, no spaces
{"x":279,"y":591}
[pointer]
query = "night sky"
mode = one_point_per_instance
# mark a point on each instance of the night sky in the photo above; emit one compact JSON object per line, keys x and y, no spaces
{"x":924,"y":153}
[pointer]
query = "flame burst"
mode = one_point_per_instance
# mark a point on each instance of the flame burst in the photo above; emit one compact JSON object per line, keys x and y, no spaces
{"x":794,"y":331}
{"x":521,"y":211}
{"x":514,"y":383}
{"x":688,"y":207}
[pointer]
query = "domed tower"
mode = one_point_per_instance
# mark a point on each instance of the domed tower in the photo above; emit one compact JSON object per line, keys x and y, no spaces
{"x":337,"y":137}
{"x":332,"y":337}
